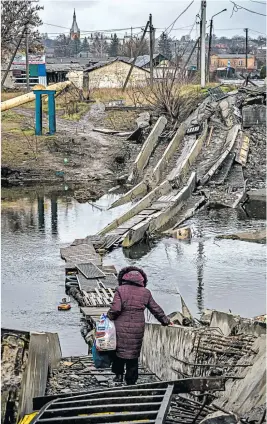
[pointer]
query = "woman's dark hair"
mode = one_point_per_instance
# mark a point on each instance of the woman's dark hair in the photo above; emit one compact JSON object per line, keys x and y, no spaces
{"x":127,"y":269}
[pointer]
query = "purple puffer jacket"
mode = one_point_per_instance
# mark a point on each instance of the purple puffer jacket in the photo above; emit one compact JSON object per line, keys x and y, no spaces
{"x":127,"y":310}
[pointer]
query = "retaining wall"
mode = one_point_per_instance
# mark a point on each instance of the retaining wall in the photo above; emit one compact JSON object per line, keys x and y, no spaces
{"x":44,"y":354}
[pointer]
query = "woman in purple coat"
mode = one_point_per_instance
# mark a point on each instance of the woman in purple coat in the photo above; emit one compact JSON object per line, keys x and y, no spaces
{"x":127,"y":311}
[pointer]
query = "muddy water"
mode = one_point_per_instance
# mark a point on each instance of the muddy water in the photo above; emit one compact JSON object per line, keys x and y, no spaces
{"x":222,"y":274}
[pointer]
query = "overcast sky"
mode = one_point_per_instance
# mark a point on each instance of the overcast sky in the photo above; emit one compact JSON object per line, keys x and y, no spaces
{"x":117,"y":14}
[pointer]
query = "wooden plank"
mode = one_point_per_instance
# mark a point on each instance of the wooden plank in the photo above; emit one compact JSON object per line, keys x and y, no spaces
{"x":132,"y":221}
{"x":117,"y":232}
{"x":108,"y":269}
{"x":160,"y":205}
{"x":100,"y":378}
{"x":79,"y":259}
{"x":165,"y":405}
{"x":146,"y":212}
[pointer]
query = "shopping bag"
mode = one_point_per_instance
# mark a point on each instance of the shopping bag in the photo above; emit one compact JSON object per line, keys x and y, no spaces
{"x":105,"y":334}
{"x":101,"y":359}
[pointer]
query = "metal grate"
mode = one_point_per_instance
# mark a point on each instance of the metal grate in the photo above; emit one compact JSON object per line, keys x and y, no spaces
{"x":89,"y":270}
{"x":217,"y":94}
{"x":149,"y":402}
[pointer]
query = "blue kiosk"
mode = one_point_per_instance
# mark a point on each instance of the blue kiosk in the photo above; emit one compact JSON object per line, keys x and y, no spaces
{"x":51,"y":111}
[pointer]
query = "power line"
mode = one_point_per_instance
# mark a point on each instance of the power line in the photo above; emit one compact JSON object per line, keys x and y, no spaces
{"x":260,"y":2}
{"x":167,"y":33}
{"x":237,"y":7}
{"x":96,"y":30}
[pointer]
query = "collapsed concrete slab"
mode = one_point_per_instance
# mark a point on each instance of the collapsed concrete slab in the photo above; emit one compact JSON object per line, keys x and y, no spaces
{"x":254,"y":115}
{"x":239,"y":358}
{"x":147,"y":148}
{"x":26,"y":361}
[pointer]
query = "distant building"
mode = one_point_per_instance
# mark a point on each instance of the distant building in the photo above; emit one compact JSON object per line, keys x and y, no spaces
{"x":109,"y":74}
{"x":37,"y":68}
{"x":144,"y":60}
{"x":74,"y":31}
{"x":236,"y":61}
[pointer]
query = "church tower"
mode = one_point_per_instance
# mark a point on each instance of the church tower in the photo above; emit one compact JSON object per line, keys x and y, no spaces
{"x":74,"y":32}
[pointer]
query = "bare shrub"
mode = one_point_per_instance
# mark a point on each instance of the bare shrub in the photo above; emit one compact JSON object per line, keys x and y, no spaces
{"x":172,"y":94}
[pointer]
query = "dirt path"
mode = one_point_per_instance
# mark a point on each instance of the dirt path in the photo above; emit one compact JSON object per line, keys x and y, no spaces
{"x":76,"y":153}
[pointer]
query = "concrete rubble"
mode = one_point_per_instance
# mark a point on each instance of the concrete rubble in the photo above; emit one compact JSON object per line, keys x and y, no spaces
{"x":14,"y":347}
{"x":78,"y":374}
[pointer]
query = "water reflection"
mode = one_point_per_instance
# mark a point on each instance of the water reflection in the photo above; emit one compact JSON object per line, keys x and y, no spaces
{"x":41,"y":215}
{"x":200,"y":273}
{"x":138,"y":251}
{"x":54,"y":214}
{"x":36,"y":223}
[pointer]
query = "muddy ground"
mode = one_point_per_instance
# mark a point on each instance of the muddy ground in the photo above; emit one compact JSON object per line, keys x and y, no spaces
{"x":74,"y":154}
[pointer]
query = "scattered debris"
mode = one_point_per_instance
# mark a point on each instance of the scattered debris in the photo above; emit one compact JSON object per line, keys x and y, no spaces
{"x":254,"y":115}
{"x":143,"y":120}
{"x":112,"y":132}
{"x":255,"y":236}
{"x":182,"y":233}
{"x":220,"y":418}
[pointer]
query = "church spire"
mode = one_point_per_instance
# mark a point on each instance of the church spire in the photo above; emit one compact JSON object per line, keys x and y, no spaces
{"x":74,"y":32}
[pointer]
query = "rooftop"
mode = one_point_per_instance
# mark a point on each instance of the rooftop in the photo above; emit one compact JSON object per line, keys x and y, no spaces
{"x":233,"y":56}
{"x":143,"y":60}
{"x":61,"y":67}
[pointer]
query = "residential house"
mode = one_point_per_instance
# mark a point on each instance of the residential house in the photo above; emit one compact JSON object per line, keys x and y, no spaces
{"x":236,"y":61}
{"x":57,"y":72}
{"x":109,"y":74}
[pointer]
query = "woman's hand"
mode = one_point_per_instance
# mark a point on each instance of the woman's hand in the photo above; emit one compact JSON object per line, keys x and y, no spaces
{"x":170,"y":323}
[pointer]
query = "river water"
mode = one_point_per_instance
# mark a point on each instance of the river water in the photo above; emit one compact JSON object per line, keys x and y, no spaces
{"x":220,"y":274}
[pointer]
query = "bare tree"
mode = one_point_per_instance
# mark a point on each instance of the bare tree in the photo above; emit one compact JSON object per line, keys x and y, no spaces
{"x":130,"y":47}
{"x":98,"y":45}
{"x":15,"y":14}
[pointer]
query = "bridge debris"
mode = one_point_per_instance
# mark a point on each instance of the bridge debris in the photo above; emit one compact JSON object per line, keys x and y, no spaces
{"x":147,"y":149}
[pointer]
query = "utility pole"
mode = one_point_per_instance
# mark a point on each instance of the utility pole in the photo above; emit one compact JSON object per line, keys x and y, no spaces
{"x":199,"y":46}
{"x":27,"y":60}
{"x":203,"y":37}
{"x":210,"y":40}
{"x":246,"y":31}
{"x":208,"y":61}
{"x":198,"y":53}
{"x":151,"y":48}
{"x":131,"y":47}
{"x":192,"y":51}
{"x":137,"y":54}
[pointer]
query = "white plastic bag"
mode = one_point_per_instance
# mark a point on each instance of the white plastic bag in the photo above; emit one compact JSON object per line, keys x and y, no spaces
{"x":105,"y":334}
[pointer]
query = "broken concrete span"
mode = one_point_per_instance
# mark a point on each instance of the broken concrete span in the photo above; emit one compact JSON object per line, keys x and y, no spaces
{"x":239,"y":356}
{"x":225,"y":366}
{"x":147,"y":149}
{"x":145,"y":186}
{"x":26,"y":362}
{"x":155,"y":221}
